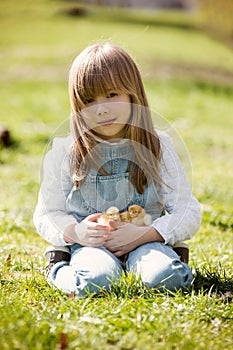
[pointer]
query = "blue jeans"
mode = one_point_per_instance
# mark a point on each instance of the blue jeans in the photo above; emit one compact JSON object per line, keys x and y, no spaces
{"x":91,"y":269}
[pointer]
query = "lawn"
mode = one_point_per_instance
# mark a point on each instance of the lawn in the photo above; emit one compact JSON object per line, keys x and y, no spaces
{"x":188,"y":78}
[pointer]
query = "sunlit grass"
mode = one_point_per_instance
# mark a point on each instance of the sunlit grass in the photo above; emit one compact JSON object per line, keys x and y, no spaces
{"x":38,"y":42}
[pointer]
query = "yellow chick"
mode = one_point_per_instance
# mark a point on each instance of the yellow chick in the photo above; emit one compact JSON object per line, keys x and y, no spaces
{"x":125,"y":216}
{"x":111,"y":214}
{"x":138,"y":216}
{"x":103,"y":219}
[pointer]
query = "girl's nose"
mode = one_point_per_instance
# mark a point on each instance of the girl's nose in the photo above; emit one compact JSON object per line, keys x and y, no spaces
{"x":102,"y":109}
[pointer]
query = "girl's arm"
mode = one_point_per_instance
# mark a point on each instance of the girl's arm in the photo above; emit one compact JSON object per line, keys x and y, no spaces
{"x":50,"y":216}
{"x":183,"y":217}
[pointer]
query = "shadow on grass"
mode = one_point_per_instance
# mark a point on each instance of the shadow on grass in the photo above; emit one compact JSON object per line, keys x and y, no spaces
{"x":213,"y":281}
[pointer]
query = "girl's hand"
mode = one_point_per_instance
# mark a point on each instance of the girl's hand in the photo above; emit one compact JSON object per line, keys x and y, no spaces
{"x":88,"y":232}
{"x":127,"y":237}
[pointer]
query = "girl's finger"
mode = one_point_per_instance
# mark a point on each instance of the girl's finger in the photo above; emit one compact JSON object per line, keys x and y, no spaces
{"x":97,"y":233}
{"x":94,"y":217}
{"x":101,"y":227}
{"x":118,"y":253}
{"x":96,"y":241}
{"x":116,"y":224}
{"x":94,"y":226}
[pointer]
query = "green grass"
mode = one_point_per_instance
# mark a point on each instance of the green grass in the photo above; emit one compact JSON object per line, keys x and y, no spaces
{"x":38,"y":43}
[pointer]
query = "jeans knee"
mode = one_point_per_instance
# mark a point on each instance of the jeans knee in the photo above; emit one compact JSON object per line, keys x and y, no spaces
{"x":159,"y":267}
{"x":97,"y":278}
{"x":172,"y":276}
{"x":86,"y":272}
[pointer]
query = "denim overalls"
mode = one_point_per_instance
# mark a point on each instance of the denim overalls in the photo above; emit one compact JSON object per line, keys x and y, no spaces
{"x":93,"y":268}
{"x":100,"y":192}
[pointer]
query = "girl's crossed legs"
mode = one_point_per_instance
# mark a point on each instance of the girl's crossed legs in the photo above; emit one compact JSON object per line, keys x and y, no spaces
{"x":94,"y":268}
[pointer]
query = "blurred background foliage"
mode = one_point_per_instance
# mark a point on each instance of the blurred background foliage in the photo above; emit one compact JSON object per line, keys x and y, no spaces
{"x":216,"y":17}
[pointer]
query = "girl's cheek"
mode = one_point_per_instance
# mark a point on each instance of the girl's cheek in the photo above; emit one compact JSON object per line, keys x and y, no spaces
{"x":87,"y":115}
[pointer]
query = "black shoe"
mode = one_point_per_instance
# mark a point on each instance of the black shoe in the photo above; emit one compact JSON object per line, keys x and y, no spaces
{"x":182,"y":250}
{"x":53,"y":255}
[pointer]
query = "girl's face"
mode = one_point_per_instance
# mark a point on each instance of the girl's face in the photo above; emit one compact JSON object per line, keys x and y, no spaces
{"x":107,"y":115}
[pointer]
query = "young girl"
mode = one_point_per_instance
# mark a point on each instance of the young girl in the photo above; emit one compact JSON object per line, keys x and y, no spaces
{"x":113,"y":157}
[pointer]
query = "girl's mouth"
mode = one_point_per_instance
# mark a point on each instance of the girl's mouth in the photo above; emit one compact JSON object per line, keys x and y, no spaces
{"x":107,"y":122}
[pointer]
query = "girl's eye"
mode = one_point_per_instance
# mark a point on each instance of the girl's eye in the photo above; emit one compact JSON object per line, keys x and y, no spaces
{"x":89,"y":100}
{"x":112,"y":94}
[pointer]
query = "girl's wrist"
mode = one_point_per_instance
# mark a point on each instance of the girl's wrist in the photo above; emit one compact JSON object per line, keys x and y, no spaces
{"x":156,"y":235}
{"x":69,"y":233}
{"x":151,"y":235}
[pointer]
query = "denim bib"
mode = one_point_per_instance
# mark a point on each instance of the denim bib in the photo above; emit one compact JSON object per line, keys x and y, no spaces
{"x":99,"y":192}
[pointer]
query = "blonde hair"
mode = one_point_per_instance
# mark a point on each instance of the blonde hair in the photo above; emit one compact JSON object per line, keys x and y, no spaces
{"x":98,"y":69}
